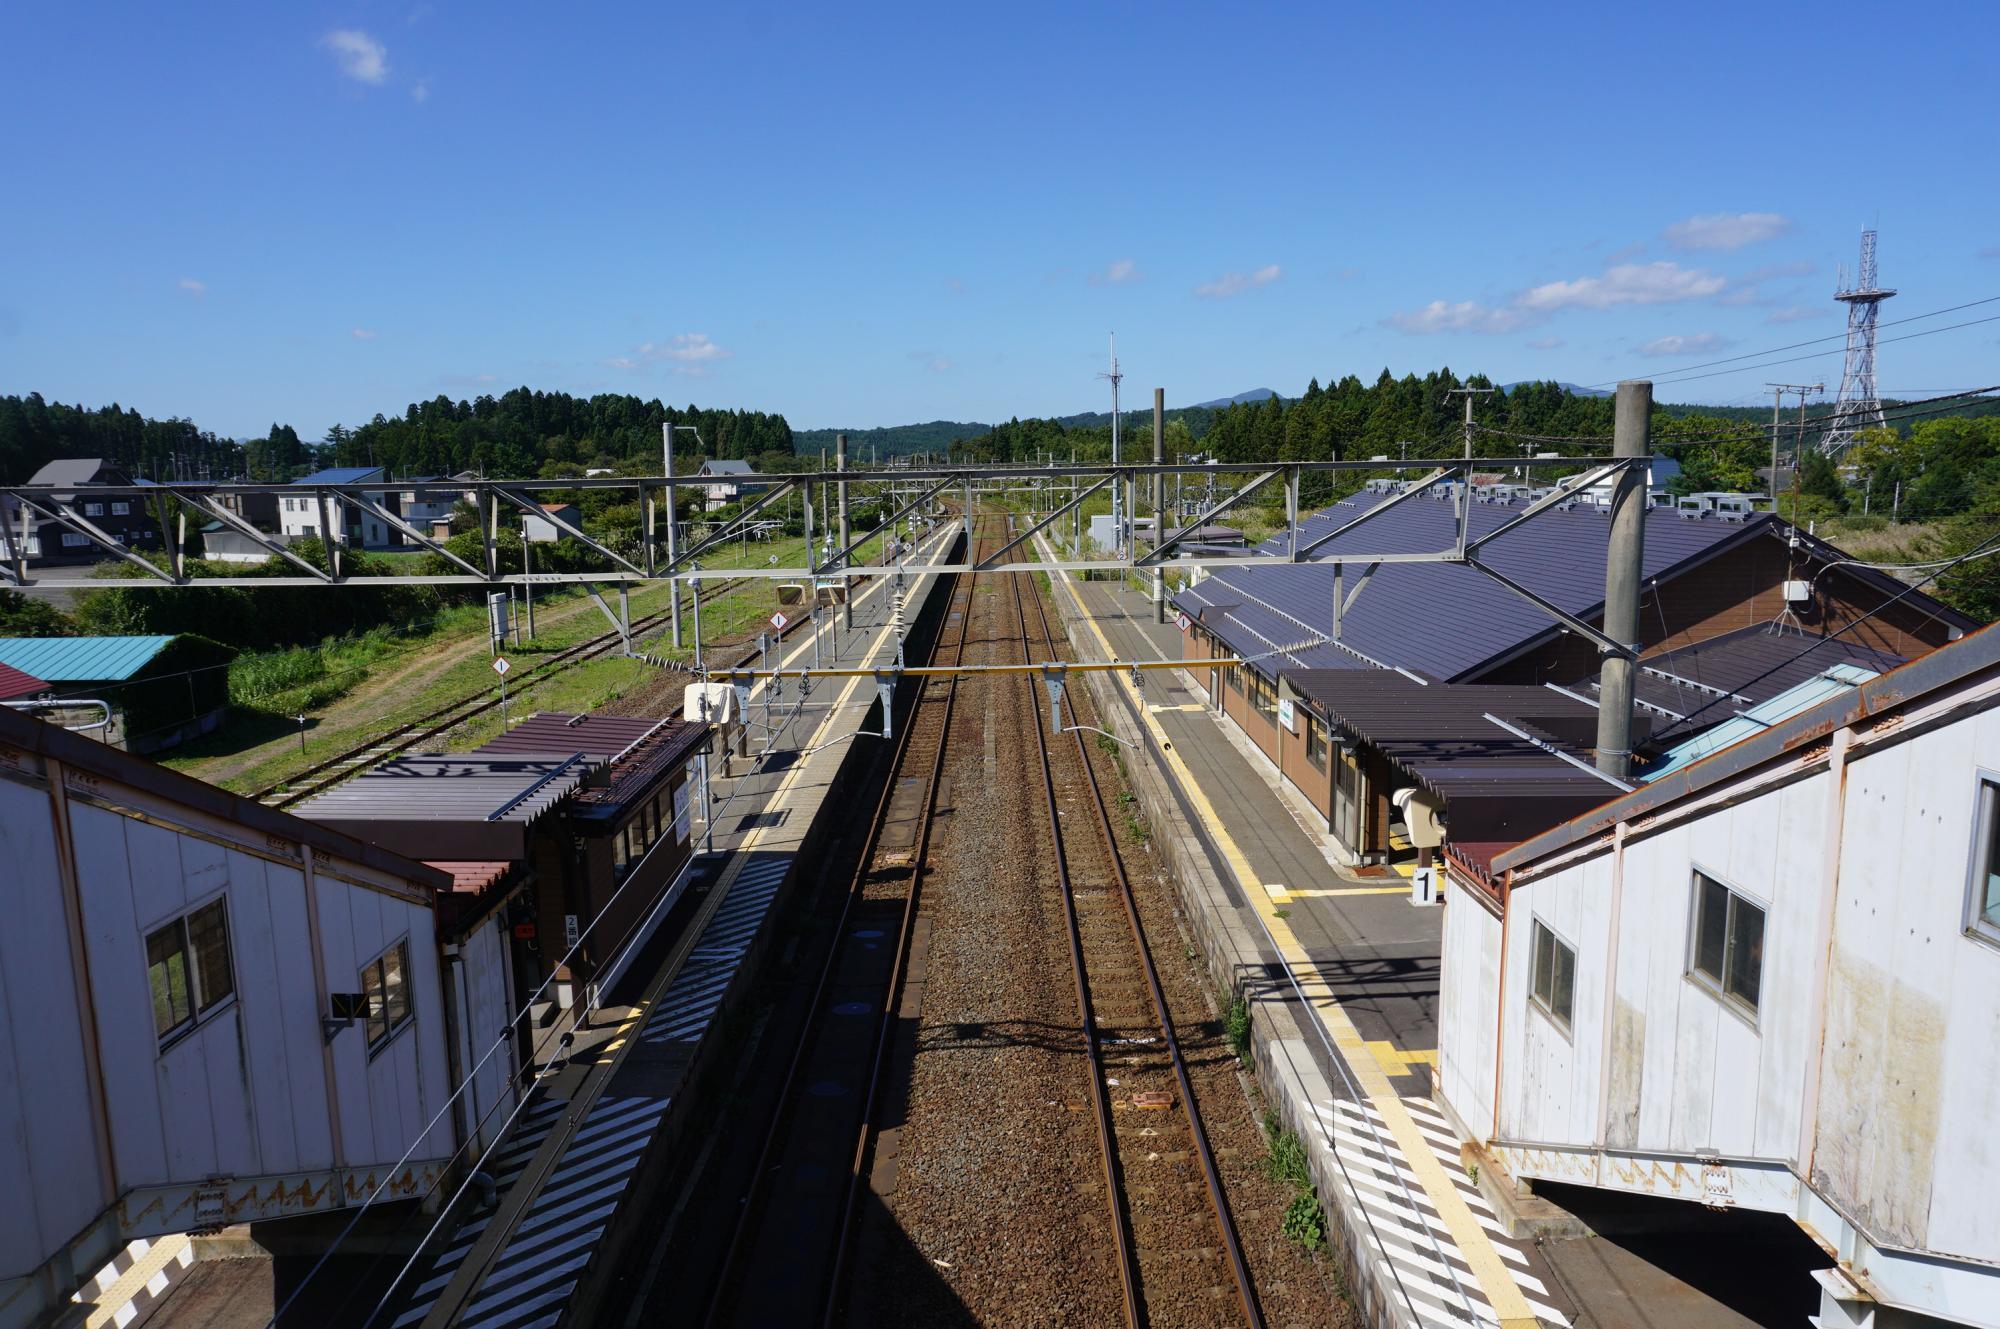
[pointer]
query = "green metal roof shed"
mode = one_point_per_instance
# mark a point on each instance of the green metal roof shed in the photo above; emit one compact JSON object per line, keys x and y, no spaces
{"x":81,"y":659}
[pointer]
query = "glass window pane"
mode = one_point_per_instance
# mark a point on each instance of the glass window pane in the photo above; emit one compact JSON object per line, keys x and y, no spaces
{"x":167,"y":974}
{"x":1564,"y":982}
{"x":371,"y":988}
{"x":208,"y":935}
{"x":1542,"y":966}
{"x":1746,"y":950}
{"x":1711,"y":925}
{"x":1989,"y":905}
{"x":394,"y":985}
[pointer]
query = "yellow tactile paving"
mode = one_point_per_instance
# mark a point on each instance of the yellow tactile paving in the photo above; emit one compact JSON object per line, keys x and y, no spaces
{"x":1494,"y":1281}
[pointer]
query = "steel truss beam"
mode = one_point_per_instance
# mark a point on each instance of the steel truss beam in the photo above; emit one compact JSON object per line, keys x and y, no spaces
{"x":840,"y":557}
{"x":992,"y":560}
{"x":1188,"y":528}
{"x":730,"y":528}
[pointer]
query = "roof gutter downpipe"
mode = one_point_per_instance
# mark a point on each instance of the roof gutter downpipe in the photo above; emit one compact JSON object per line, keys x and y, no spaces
{"x":1624,"y":566}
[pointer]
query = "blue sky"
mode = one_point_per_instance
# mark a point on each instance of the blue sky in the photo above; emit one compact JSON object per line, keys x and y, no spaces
{"x":863,"y":215}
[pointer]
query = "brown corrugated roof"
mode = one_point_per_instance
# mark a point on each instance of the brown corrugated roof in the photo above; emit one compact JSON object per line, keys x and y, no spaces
{"x":454,"y":805}
{"x":469,"y":877}
{"x":1441,"y":735}
{"x":15,"y":683}
{"x":638,"y":750}
{"x":600,"y":736}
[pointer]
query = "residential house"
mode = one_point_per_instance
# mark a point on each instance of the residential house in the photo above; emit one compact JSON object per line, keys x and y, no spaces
{"x":303,"y":516}
{"x":1766,"y":980}
{"x":159,"y":690}
{"x":16,"y":684}
{"x":49,"y":542}
{"x":732,"y":483}
{"x":540,"y":527}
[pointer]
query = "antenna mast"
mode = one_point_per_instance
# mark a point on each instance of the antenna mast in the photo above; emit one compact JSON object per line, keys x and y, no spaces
{"x":1117,"y":517}
{"x":1857,"y":406}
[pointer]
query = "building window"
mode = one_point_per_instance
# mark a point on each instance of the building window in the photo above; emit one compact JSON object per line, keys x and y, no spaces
{"x":188,"y":969}
{"x":1983,"y":898}
{"x":1316,"y":744}
{"x":385,"y":982}
{"x":1553,"y":980}
{"x":74,"y":539}
{"x":1728,"y":942}
{"x":121,"y":509}
{"x":1263,"y":696}
{"x":1235,"y":676}
{"x":620,"y":858}
{"x":682,"y":814}
{"x":93,"y":509}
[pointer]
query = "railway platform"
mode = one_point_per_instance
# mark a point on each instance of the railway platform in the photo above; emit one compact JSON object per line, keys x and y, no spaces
{"x":1342,"y":975}
{"x":602,"y":1120}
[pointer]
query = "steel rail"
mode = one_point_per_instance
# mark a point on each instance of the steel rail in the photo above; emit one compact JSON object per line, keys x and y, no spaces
{"x":1197,"y":1130}
{"x":749,"y":1209}
{"x":919,"y":859}
{"x":1121,"y":1234}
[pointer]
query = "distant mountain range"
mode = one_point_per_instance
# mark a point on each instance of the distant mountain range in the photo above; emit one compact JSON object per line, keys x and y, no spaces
{"x":1572,"y":388}
{"x":1255,"y":394}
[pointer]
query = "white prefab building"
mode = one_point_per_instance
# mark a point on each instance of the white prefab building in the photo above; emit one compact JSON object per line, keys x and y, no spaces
{"x":311,"y":513}
{"x":170,"y":959}
{"x":1772,"y":980}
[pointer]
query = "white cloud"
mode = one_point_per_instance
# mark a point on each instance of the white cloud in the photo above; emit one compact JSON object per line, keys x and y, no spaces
{"x":1235,"y":283}
{"x":1122,"y":270}
{"x":420,"y":91}
{"x":956,"y":286}
{"x":1653,"y":283}
{"x":1989,"y":251}
{"x":1464,"y":316}
{"x":1545,"y":343}
{"x":1693,"y":343}
{"x":197,"y":289}
{"x":931,"y":360}
{"x":689,"y":353}
{"x":359,"y":56}
{"x":363,"y":334}
{"x":1726,"y":230}
{"x":1796,"y":314}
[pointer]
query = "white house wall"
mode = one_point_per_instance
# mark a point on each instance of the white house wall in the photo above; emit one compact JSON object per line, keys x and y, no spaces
{"x":48,"y":1153}
{"x":487,"y":1013}
{"x":242,"y":1096}
{"x":1905,"y":1122}
{"x":1886,"y":1112}
{"x":1466,"y":1032}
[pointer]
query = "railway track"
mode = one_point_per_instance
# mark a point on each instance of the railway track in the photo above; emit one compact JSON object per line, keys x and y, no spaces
{"x":324,"y":774}
{"x":883,"y":898}
{"x":1129,"y":1037}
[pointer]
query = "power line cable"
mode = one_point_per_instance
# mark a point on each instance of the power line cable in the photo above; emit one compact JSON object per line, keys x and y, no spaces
{"x":1819,"y":355}
{"x":1814,"y":341}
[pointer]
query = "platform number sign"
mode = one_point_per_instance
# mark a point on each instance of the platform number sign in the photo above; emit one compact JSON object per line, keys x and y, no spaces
{"x":1181,"y":622}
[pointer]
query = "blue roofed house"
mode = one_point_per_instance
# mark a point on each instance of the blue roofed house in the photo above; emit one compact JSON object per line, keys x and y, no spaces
{"x":302,"y":517}
{"x":1705,"y":578}
{"x":155,"y":691}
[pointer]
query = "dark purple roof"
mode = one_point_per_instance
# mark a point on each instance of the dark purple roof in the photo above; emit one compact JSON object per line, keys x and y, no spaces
{"x":1741,"y":669}
{"x":1441,"y":619}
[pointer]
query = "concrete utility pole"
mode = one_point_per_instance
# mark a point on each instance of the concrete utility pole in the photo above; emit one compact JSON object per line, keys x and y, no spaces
{"x":840,"y":464}
{"x":1468,"y":394}
{"x":1778,"y":391}
{"x":1624,"y":567}
{"x":673,"y":541}
{"x":1159,"y":505}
